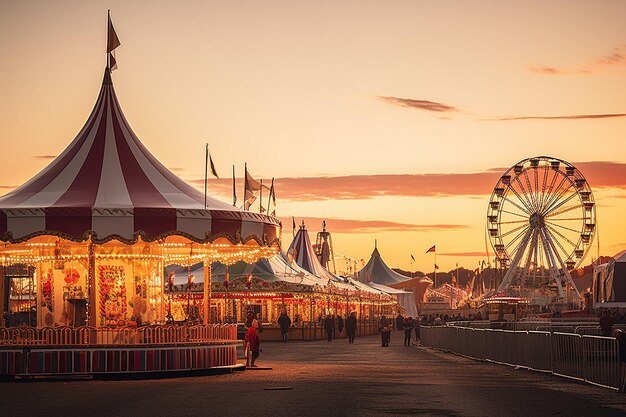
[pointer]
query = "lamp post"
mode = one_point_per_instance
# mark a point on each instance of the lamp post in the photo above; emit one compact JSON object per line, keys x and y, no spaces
{"x":190,"y":279}
{"x":226,"y":284}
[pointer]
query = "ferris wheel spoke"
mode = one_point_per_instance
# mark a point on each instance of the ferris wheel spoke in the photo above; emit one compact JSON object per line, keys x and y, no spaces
{"x":527,"y":197}
{"x":513,"y":222}
{"x":554,"y":206}
{"x":547,"y":191}
{"x":566,"y":254}
{"x":515,"y":214}
{"x":554,"y":193}
{"x":562,"y":236}
{"x":524,"y":202}
{"x":520,"y":234}
{"x":562,"y":211}
{"x":563,"y":227}
{"x":516,"y":205}
{"x":531,"y":192}
{"x":543,"y":187}
{"x":526,"y":226}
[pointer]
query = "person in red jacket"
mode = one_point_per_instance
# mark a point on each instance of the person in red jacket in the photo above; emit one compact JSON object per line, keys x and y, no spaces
{"x":254,"y":341}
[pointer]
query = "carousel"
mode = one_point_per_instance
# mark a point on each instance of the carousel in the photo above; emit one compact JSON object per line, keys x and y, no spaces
{"x":86,"y":242}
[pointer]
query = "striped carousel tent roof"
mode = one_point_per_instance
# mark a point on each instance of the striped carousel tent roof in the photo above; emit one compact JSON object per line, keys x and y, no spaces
{"x":377,"y":271}
{"x":303,"y":254}
{"x":108,"y":185}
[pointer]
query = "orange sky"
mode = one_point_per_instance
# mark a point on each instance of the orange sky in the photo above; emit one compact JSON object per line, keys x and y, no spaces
{"x":391,"y":120}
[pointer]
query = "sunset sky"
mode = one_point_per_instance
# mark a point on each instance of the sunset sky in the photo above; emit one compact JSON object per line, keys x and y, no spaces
{"x":392,"y":120}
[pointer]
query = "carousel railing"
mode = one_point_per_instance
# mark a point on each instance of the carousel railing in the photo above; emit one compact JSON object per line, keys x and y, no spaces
{"x":76,"y":336}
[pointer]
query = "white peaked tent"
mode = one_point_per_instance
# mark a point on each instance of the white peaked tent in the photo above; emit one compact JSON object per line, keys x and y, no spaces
{"x":609,"y":283}
{"x":303,"y":254}
{"x":378,"y":275}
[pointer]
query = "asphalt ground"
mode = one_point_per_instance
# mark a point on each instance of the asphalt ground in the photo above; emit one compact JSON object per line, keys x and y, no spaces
{"x":326,"y":379}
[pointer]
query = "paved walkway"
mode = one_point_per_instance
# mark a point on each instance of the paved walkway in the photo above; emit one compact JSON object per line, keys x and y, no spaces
{"x":326,"y":379}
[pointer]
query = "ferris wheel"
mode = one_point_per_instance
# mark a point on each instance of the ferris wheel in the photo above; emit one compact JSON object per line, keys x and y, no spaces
{"x":541,"y":221}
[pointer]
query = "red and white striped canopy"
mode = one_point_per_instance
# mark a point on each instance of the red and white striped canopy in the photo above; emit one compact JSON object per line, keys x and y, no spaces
{"x":108,"y":185}
{"x":303,"y":254}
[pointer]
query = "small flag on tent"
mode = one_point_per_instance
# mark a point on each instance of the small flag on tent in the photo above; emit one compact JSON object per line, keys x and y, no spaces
{"x":251,"y":186}
{"x":432,"y":249}
{"x":212,"y":165}
{"x":436,"y":266}
{"x":112,"y":43}
{"x":412,"y":257}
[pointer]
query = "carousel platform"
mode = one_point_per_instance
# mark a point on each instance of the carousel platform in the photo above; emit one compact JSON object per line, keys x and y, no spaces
{"x":124,"y":352}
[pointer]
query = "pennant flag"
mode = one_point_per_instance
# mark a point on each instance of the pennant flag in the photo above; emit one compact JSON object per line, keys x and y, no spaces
{"x":112,"y":39}
{"x":412,"y":257}
{"x":436,"y":266}
{"x":112,"y":61}
{"x":432,"y":249}
{"x":112,"y":43}
{"x":251,"y":187}
{"x":212,"y":165}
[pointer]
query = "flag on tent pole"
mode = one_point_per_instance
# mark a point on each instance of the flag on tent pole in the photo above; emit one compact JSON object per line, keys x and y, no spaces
{"x":412,"y":257}
{"x":436,"y":266}
{"x":432,"y":249}
{"x":272,"y":199}
{"x":251,"y":187}
{"x":212,"y":165}
{"x":112,"y":43}
{"x":234,"y":189}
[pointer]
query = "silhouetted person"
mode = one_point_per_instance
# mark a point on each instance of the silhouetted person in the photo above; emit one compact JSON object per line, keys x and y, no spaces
{"x":408,"y":330}
{"x":385,"y":331}
{"x":329,"y":326}
{"x":284,"y":322}
{"x":339,"y":323}
{"x":351,"y":327}
{"x":400,"y":322}
{"x":606,"y":323}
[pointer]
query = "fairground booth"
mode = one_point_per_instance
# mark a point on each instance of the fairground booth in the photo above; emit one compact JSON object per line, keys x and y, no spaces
{"x":85,"y":246}
{"x":295,"y":283}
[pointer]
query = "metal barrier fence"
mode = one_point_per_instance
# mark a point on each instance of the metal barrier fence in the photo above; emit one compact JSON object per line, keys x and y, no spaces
{"x":81,"y":336}
{"x":589,"y":358}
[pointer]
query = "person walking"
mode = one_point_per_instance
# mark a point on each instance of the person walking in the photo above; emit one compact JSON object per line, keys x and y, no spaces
{"x":385,"y":331}
{"x":254,"y":341}
{"x":408,"y":330}
{"x":606,"y":323}
{"x":351,"y":327}
{"x":329,"y":326}
{"x":400,"y":322}
{"x":284,"y":322}
{"x":339,"y":323}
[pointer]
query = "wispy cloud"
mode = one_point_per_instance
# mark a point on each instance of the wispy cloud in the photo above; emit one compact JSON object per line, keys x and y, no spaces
{"x":367,"y":226}
{"x":600,"y":174}
{"x":567,"y":117}
{"x":8,"y":187}
{"x":176,"y":169}
{"x":427,"y":105}
{"x":616,"y":57}
{"x":44,"y":156}
{"x":460,"y":254}
{"x":444,"y":108}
